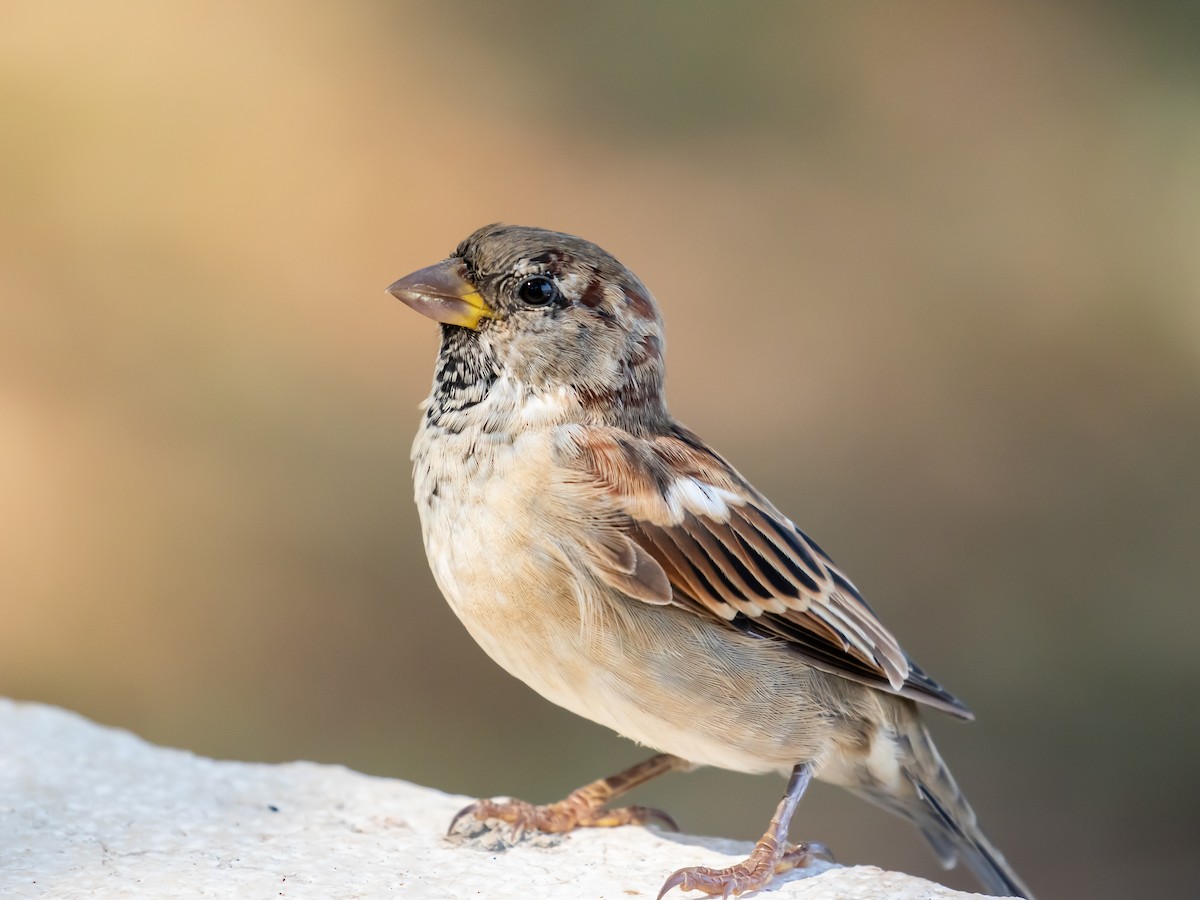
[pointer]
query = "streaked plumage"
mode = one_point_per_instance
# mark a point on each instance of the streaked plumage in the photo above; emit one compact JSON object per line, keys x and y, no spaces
{"x":606,"y":556}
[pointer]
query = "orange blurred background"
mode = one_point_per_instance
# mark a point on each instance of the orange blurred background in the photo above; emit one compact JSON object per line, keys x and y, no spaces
{"x":931,"y":279}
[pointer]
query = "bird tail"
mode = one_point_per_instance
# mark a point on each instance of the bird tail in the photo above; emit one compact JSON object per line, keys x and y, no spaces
{"x":938,"y":808}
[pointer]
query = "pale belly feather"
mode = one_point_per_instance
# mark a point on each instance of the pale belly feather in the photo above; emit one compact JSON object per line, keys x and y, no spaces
{"x":660,"y":676}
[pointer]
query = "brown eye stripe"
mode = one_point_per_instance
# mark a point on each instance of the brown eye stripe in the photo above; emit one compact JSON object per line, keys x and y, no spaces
{"x":593,"y":294}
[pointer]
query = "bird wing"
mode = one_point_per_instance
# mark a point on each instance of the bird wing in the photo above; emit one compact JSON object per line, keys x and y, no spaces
{"x":681,"y":526}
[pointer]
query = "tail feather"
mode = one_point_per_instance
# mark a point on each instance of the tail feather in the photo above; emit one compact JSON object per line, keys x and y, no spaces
{"x":938,"y":808}
{"x":961,"y":836}
{"x":943,"y":848}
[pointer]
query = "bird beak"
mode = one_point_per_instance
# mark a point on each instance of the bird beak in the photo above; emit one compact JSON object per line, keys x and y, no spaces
{"x":443,"y":293}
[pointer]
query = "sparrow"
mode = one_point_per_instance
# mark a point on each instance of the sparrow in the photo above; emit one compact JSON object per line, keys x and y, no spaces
{"x":609,"y":558}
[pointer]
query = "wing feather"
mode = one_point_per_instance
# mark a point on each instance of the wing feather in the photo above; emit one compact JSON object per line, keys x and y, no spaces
{"x":683,"y":527}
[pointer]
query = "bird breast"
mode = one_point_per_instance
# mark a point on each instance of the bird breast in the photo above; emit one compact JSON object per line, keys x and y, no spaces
{"x":499,"y":546}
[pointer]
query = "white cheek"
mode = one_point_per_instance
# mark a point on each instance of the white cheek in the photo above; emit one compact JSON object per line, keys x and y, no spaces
{"x":573,"y":285}
{"x":545,"y":408}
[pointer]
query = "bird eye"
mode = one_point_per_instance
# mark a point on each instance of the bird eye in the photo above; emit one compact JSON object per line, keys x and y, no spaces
{"x":537,"y":291}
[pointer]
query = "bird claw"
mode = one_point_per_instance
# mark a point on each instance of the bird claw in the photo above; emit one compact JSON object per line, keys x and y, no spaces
{"x":559,"y":818}
{"x":701,"y":878}
{"x":800,"y":855}
{"x":459,"y":816}
{"x":517,"y":813}
{"x":626,"y":815}
{"x":665,"y":819}
{"x":752,"y":874}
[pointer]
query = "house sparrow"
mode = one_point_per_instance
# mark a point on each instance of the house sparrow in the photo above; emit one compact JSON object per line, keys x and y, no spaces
{"x":609,"y":558}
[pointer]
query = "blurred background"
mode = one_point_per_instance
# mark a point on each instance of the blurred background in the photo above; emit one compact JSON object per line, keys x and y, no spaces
{"x":931,"y":275}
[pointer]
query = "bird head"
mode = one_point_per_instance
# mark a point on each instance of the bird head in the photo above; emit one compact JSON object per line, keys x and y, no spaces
{"x":550,"y":311}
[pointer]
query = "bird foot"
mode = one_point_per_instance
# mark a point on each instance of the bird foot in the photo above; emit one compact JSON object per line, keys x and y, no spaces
{"x":575,"y":811}
{"x":751,"y":874}
{"x":584,"y":807}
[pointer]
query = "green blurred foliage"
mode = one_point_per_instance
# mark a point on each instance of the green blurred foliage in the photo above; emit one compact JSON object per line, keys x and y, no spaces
{"x":930,"y":278}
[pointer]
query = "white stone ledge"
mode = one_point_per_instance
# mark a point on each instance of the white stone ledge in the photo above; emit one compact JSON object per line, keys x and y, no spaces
{"x":88,"y":811}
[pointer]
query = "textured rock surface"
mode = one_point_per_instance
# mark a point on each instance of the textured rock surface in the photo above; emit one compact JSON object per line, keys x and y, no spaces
{"x":87,"y":811}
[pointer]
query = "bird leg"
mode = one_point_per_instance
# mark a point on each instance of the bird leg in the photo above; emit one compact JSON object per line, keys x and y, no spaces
{"x":771,"y":855}
{"x":585,"y":807}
